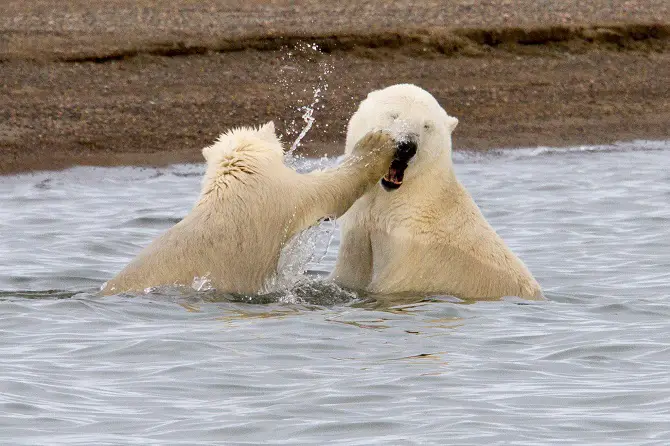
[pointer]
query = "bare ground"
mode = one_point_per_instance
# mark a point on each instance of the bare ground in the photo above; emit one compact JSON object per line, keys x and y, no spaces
{"x":128,"y":83}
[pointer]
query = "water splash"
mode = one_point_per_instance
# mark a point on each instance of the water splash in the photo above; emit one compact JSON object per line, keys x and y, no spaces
{"x":202,"y":283}
{"x":309,"y":121}
{"x":309,"y":246}
{"x":301,"y":250}
{"x":288,"y":74}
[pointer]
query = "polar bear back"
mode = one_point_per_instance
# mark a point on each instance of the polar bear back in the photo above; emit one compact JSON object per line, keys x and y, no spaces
{"x":222,"y":238}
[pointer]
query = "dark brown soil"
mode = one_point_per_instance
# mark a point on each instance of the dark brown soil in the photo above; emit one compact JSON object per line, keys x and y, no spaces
{"x":119,"y":84}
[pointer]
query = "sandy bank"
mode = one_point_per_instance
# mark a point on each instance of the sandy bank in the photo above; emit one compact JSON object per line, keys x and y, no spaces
{"x":123,"y":82}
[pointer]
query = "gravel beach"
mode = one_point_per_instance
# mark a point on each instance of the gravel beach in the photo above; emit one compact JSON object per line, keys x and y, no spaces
{"x":139,"y":82}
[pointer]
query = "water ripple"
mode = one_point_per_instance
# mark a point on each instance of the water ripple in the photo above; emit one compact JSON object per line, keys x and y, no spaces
{"x":312,"y":363}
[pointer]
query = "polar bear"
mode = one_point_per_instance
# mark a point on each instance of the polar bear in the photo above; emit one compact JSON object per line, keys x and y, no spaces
{"x":250,"y":205}
{"x":419,"y":230}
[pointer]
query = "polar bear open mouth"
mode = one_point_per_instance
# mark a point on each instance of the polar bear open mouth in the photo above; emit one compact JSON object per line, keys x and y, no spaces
{"x":404,"y":152}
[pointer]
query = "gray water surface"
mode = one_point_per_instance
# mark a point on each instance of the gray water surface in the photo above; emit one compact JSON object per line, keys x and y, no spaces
{"x":316,"y":364}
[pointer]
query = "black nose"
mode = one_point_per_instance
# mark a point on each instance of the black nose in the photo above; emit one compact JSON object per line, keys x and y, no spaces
{"x":406,"y":149}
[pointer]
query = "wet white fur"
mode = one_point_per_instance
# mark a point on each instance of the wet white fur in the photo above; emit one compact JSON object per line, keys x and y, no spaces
{"x":428,"y":236}
{"x":251,"y":204}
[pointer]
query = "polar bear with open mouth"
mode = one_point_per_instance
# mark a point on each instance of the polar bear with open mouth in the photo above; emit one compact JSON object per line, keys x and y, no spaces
{"x":419,"y":230}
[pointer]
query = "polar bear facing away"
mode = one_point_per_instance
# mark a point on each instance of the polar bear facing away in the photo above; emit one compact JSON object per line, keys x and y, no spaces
{"x":419,"y":230}
{"x":251,"y":204}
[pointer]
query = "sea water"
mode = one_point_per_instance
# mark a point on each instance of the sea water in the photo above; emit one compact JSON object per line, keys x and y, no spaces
{"x":313,"y":364}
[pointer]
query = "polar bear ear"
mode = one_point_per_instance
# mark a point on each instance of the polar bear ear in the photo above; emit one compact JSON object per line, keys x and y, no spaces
{"x":452,"y":123}
{"x":207,"y":152}
{"x":267,"y":131}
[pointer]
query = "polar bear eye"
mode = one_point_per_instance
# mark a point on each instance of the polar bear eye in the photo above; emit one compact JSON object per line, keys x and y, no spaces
{"x":394,"y":115}
{"x":426,"y":126}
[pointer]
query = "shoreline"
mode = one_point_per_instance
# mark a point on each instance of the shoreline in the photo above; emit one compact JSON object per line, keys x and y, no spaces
{"x":137,"y":82}
{"x":167,"y":159}
{"x":156,"y":109}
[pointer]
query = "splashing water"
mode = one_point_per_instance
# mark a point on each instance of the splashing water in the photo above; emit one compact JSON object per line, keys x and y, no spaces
{"x":202,"y":283}
{"x":318,"y":91}
{"x":309,"y":121}
{"x":309,"y":246}
{"x":300,"y":251}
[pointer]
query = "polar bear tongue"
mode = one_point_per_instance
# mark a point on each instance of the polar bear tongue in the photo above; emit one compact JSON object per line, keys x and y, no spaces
{"x":393,"y":178}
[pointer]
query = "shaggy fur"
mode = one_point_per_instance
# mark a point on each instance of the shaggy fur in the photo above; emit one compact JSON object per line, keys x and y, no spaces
{"x":428,"y":236}
{"x":251,"y":204}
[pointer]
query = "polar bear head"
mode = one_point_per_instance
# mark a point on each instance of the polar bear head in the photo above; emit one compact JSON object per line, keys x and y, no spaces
{"x":241,"y":149}
{"x":245,"y":140}
{"x":415,"y":119}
